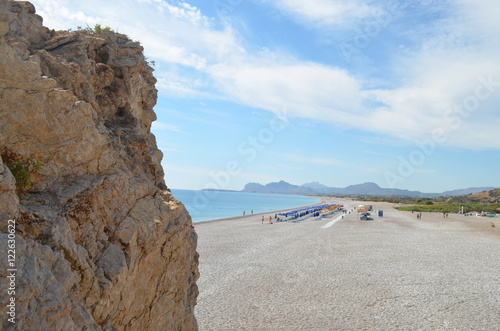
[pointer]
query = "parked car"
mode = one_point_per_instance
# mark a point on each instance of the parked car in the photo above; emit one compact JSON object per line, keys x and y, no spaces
{"x":365,"y":217}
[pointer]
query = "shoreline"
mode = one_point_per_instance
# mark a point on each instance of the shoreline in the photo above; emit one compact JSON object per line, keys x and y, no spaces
{"x":233,"y":218}
{"x":321,"y":199}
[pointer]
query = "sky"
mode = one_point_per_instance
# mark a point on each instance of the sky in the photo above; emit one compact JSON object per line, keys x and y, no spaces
{"x":405,"y":94}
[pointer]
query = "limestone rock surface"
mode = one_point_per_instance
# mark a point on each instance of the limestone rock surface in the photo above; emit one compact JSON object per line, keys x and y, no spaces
{"x":101,"y":244}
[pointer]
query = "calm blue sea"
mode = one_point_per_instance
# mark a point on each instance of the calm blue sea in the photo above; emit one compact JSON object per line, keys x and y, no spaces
{"x":211,"y":205}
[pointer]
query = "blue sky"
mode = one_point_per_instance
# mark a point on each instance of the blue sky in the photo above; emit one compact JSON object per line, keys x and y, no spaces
{"x":405,"y":94}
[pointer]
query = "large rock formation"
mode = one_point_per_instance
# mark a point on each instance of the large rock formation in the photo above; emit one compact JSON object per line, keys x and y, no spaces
{"x":100,"y":241}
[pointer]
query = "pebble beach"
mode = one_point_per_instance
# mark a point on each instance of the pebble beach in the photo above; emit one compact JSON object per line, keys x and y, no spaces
{"x":396,"y":272}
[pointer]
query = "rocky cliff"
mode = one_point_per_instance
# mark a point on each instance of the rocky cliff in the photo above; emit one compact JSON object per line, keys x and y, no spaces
{"x":100,"y":243}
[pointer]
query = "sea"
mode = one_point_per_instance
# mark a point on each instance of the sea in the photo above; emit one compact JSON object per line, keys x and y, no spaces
{"x":209,"y":205}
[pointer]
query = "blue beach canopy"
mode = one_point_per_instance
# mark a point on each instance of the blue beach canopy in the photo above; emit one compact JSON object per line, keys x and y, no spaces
{"x":306,"y":210}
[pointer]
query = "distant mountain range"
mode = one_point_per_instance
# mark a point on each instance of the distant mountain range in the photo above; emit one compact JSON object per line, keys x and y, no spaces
{"x":369,"y":188}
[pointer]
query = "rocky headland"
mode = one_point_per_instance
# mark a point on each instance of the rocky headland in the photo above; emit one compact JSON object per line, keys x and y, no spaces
{"x":100,"y":243}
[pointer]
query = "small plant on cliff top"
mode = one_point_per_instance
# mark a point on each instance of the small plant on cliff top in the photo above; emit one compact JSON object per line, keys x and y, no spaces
{"x":98,"y":28}
{"x":151,"y":63}
{"x":21,"y":169}
{"x":95,"y":30}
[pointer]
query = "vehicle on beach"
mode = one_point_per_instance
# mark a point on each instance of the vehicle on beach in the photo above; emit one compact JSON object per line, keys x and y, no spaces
{"x":366,"y":217}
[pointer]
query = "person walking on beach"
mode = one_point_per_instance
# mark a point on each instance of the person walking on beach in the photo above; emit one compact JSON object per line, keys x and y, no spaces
{"x":270,"y":220}
{"x":262,"y":219}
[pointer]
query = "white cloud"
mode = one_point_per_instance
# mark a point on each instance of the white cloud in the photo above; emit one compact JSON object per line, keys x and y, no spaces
{"x":442,"y":79}
{"x":324,"y":13}
{"x":59,"y":15}
{"x":447,"y":102}
{"x":482,"y":16}
{"x":305,"y":89}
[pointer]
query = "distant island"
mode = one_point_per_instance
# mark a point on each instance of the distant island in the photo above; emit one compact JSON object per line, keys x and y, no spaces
{"x":364,"y":189}
{"x":219,"y":190}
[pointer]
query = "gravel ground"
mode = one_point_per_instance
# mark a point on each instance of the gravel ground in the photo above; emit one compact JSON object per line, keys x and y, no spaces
{"x":393,"y":273}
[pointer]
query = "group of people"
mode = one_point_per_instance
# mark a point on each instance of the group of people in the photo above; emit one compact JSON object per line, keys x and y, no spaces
{"x":270,"y":219}
{"x":419,"y":215}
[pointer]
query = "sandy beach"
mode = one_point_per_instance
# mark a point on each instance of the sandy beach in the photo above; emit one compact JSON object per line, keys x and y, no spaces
{"x":392,"y":273}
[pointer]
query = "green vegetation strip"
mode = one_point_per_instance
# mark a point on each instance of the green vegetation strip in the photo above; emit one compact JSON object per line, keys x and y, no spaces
{"x":453,"y":207}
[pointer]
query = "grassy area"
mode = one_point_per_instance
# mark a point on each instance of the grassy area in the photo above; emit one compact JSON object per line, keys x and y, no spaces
{"x":442,"y":204}
{"x":453,"y":207}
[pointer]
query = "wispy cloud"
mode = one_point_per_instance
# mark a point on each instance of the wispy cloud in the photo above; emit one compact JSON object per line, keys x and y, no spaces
{"x":190,"y":170}
{"x":281,"y":166}
{"x":426,"y":171}
{"x":442,"y":77}
{"x":205,"y":177}
{"x":165,"y":126}
{"x":313,"y":160}
{"x":380,"y":154}
{"x":169,"y":150}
